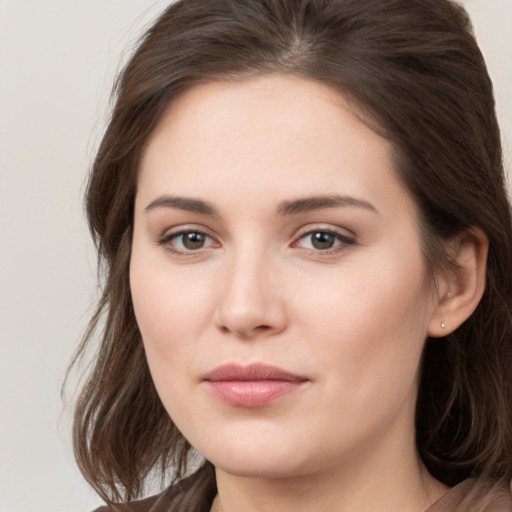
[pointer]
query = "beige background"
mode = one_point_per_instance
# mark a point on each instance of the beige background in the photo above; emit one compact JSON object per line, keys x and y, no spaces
{"x":57,"y":61}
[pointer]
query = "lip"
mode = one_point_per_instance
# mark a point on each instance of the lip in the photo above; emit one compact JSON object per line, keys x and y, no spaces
{"x":255,"y":385}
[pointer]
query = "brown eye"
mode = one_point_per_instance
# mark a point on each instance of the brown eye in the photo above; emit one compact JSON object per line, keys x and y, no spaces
{"x":187,"y":241}
{"x":322,"y":240}
{"x":193,"y":240}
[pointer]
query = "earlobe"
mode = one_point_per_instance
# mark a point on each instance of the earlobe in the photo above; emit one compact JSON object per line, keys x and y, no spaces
{"x":462,"y":284}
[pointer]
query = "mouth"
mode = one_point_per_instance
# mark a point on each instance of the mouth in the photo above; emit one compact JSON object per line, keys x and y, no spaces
{"x":252,"y":386}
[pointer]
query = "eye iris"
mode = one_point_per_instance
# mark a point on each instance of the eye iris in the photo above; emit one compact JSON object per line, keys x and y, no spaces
{"x":322,"y":240}
{"x":193,"y":240}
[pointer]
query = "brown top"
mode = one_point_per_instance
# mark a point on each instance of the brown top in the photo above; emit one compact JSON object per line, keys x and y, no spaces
{"x":469,"y":496}
{"x":475,"y":496}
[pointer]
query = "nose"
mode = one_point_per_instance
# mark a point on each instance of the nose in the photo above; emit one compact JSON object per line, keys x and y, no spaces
{"x":251,"y":302}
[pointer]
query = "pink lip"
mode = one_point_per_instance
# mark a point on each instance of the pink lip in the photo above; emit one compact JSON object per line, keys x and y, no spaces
{"x":251,"y":386}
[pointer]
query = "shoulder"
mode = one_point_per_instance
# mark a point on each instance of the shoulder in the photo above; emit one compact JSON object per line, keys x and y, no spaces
{"x":195,"y":492}
{"x":476,"y":495}
{"x":153,"y":504}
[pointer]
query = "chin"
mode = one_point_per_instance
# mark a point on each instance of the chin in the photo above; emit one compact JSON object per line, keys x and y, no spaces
{"x":259,"y":456}
{"x":260,"y":467}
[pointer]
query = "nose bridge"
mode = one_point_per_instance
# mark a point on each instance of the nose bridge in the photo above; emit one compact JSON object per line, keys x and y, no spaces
{"x":250,"y":301}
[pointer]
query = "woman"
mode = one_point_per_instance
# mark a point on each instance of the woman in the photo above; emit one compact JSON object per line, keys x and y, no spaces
{"x":301,"y":212}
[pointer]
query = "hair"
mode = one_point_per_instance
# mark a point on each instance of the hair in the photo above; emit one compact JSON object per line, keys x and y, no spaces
{"x":412,"y":67}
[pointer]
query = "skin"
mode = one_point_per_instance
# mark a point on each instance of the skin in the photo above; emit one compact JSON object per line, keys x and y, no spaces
{"x":352,"y":318}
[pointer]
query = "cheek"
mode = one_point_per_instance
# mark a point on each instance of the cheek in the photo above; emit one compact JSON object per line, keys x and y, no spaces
{"x":172,"y":307}
{"x":368,"y":326}
{"x":168,"y":322}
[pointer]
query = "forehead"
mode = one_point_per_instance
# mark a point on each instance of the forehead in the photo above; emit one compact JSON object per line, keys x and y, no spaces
{"x":275,"y":135}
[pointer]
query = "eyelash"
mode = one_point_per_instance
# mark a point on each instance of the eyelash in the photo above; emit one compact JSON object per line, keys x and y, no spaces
{"x":343,"y":241}
{"x":166,"y":241}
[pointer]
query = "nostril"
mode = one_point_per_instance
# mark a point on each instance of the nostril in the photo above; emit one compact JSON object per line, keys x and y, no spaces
{"x":263,"y":328}
{"x":244,"y":333}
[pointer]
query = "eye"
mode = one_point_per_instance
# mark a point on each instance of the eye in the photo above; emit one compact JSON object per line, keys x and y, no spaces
{"x":323,"y":240}
{"x":187,"y":241}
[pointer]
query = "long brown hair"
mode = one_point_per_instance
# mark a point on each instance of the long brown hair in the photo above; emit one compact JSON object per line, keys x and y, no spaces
{"x":414,"y":68}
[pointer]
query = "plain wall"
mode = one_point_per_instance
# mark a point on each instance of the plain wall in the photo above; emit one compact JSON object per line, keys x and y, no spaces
{"x":57,"y":62}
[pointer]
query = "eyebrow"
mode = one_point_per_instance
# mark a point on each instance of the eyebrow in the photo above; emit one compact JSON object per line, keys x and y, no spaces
{"x":285,"y":208}
{"x":310,"y":204}
{"x":183,"y":203}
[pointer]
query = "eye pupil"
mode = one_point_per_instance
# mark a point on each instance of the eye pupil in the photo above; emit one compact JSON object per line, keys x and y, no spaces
{"x":193,"y":240}
{"x":322,"y":240}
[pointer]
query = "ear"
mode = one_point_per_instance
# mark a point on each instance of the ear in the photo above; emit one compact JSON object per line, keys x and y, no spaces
{"x":462,"y":284}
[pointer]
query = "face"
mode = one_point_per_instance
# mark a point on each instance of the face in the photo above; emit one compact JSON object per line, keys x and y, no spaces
{"x":278,"y":280}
